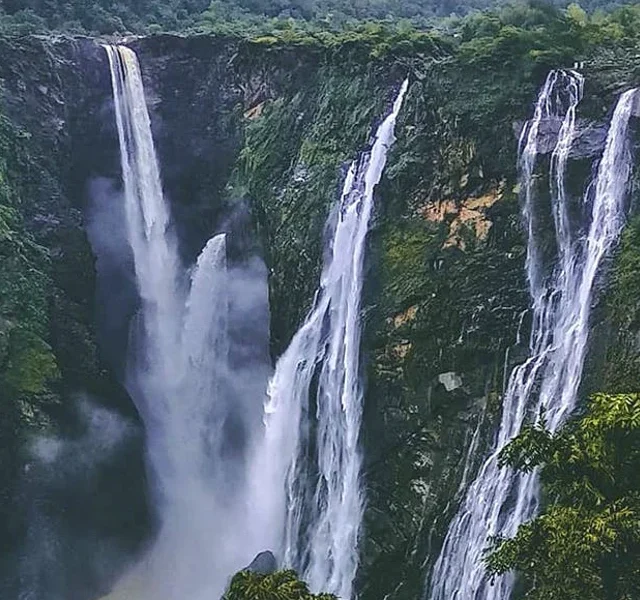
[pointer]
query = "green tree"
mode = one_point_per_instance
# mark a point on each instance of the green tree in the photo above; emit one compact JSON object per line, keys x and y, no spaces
{"x":586,"y":543}
{"x":281,"y":585}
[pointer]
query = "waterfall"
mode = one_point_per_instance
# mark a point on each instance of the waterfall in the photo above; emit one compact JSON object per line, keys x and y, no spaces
{"x":313,"y":414}
{"x":499,"y":500}
{"x":223,"y":493}
{"x":179,"y":378}
{"x":147,"y":213}
{"x":205,"y":337}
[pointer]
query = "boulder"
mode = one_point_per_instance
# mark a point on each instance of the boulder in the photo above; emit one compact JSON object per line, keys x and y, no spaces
{"x":264,"y":563}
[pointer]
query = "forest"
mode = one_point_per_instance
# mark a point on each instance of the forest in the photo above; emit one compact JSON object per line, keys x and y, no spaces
{"x":139,"y":16}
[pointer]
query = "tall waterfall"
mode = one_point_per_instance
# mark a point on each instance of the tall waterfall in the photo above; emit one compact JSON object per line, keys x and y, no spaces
{"x":499,"y":500}
{"x":178,"y":376}
{"x":314,"y":410}
{"x":147,"y":213}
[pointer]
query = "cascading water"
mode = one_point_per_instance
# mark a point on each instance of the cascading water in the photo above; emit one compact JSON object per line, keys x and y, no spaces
{"x":306,"y":490}
{"x":211,"y":521}
{"x":320,"y":371}
{"x":499,"y":500}
{"x":147,"y":214}
{"x":178,"y":376}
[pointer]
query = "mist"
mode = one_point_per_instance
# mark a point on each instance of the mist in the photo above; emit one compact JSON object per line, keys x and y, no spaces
{"x":72,"y":491}
{"x":190,"y":343}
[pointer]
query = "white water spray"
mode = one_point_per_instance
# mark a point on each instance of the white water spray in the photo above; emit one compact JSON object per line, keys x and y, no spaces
{"x":147,"y":214}
{"x":315,"y":399}
{"x":499,"y":500}
{"x":178,"y":376}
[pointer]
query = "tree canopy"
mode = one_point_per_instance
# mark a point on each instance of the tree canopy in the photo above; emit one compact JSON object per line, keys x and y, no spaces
{"x":281,"y":585}
{"x":585,"y":545}
{"x":144,"y":16}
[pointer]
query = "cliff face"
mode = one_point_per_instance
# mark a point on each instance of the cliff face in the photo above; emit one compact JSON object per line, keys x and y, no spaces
{"x":54,"y":378}
{"x":257,"y":135}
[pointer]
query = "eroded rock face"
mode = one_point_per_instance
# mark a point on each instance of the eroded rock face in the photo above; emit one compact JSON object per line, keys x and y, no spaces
{"x":588,"y":143}
{"x":469,"y":214}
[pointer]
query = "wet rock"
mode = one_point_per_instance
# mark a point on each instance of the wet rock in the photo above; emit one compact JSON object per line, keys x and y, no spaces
{"x":590,"y":140}
{"x":264,"y":564}
{"x":451,"y":381}
{"x":588,"y":143}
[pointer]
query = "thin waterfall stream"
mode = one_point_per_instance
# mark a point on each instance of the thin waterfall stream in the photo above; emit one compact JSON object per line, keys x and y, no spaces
{"x":547,"y":383}
{"x":322,"y":504}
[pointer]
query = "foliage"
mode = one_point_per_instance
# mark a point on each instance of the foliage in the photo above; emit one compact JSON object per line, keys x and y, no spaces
{"x":586,"y":543}
{"x":27,"y":362}
{"x":23,"y":263}
{"x":100,"y":16}
{"x":524,"y":36}
{"x":281,"y":585}
{"x":623,"y":307}
{"x":28,"y":366}
{"x":241,"y":16}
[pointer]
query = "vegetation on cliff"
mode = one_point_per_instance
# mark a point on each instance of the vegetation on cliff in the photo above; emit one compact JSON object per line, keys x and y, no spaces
{"x":623,"y":310}
{"x":586,"y":542}
{"x":281,"y":585}
{"x":25,"y":358}
{"x":28,"y":366}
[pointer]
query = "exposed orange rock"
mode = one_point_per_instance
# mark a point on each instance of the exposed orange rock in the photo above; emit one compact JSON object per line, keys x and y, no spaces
{"x":438,"y":210}
{"x":468,"y":214}
{"x":401,"y":350}
{"x":404,"y":317}
{"x":254,"y":112}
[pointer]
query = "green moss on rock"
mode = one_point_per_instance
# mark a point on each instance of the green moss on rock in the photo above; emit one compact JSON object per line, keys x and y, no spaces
{"x":30,"y":365}
{"x":290,"y":167}
{"x":26,"y":360}
{"x":622,"y":307}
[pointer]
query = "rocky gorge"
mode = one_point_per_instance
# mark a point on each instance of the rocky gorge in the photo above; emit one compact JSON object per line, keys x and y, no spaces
{"x":257,"y":133}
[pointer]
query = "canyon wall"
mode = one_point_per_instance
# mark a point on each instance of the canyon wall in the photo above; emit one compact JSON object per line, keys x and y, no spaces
{"x":255,"y":136}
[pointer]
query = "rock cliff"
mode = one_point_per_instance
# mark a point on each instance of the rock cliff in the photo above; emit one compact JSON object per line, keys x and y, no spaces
{"x":257,"y":134}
